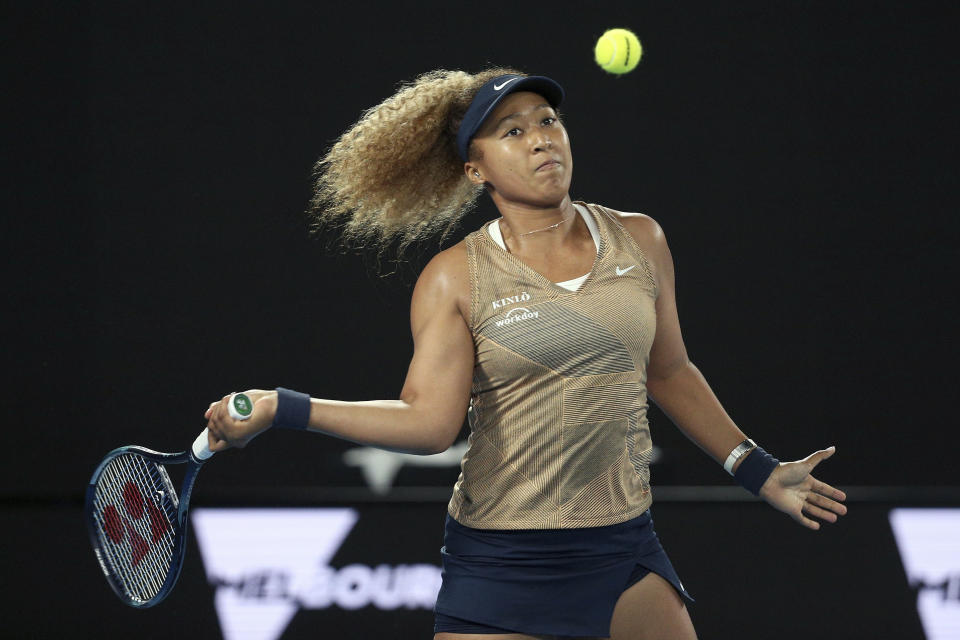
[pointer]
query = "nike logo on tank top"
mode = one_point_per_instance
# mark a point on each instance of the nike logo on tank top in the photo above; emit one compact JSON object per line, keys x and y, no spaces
{"x":558,"y":412}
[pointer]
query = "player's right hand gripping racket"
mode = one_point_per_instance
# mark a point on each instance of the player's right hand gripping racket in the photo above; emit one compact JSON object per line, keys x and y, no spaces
{"x":136,"y":521}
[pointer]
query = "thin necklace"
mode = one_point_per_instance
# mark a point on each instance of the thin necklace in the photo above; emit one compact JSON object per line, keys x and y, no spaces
{"x":553,"y":226}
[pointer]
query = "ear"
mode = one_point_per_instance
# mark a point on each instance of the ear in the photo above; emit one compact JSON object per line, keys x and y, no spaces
{"x":474,"y":174}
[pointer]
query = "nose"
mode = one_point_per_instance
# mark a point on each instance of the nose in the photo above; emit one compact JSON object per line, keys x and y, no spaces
{"x":541,"y":141}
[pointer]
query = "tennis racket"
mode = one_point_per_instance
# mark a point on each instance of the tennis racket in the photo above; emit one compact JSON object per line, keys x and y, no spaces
{"x":136,"y":521}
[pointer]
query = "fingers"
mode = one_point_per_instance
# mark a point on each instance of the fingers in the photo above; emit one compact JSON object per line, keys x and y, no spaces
{"x":827,"y":503}
{"x":818,"y":512}
{"x":215,"y":443}
{"x":807,"y":522}
{"x":216,"y":424}
{"x":826,"y":496}
{"x":224,"y":431}
{"x":816,"y":458}
{"x":219,"y":445}
{"x":799,"y":494}
{"x":825,"y":489}
{"x":818,"y":505}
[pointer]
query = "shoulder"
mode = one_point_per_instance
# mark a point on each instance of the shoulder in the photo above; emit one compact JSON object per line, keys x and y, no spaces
{"x":649,"y":236}
{"x":446,"y":278}
{"x":646,"y":232}
{"x":642,"y":228}
{"x":448,"y":266}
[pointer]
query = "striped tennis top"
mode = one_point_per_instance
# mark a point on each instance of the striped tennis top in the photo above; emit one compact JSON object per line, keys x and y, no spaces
{"x":559,"y":436}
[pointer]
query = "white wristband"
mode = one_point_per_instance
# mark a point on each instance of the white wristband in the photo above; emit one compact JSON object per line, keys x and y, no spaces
{"x":737,"y":453}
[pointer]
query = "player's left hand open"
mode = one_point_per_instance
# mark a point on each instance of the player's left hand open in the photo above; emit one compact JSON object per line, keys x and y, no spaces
{"x":230,"y":429}
{"x":791,"y":489}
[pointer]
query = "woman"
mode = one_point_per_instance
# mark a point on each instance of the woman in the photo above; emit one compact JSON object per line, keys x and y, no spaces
{"x":553,"y":323}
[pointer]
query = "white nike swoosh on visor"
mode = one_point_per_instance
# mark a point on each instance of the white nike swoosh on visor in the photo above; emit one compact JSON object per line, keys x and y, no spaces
{"x":497,"y":87}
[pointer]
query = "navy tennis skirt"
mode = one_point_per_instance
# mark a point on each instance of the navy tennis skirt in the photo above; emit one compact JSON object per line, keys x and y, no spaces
{"x":562,"y":582}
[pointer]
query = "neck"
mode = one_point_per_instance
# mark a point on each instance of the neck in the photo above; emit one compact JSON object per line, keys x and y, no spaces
{"x":523,"y":224}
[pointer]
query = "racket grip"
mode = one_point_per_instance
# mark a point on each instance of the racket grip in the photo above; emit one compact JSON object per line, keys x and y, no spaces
{"x":201,"y":446}
{"x":240,"y":406}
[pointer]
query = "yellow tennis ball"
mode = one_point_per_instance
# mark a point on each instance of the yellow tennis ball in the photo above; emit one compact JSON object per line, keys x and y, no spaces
{"x":618,"y":51}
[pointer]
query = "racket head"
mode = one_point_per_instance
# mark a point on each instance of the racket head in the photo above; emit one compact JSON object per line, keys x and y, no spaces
{"x":137,"y":523}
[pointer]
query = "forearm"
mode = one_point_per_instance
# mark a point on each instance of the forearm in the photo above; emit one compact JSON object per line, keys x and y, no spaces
{"x":388,"y":424}
{"x":687,"y":399}
{"x":412,"y":424}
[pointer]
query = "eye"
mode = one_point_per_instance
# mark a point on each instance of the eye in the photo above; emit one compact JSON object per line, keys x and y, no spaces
{"x":513,"y":132}
{"x":549,"y":121}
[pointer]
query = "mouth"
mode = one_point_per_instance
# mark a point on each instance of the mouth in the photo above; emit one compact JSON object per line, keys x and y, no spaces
{"x":548,"y":165}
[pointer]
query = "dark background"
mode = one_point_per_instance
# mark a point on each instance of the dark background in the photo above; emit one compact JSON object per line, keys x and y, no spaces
{"x":801,"y":158}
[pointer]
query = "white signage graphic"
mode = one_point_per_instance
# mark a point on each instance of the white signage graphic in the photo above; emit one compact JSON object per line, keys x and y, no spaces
{"x":380,"y":467}
{"x":929,"y":544}
{"x":266,"y":564}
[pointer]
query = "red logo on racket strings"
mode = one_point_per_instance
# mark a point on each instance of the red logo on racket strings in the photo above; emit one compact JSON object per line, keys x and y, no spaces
{"x":136,"y":507}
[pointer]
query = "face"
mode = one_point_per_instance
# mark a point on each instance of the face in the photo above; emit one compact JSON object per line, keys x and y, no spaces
{"x":524,"y":152}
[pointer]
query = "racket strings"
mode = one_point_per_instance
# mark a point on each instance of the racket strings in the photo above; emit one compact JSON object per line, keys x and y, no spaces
{"x":135,"y":508}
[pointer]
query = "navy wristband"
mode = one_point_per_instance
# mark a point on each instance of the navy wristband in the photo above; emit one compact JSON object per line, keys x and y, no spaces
{"x":755,"y":469}
{"x":293,"y":409}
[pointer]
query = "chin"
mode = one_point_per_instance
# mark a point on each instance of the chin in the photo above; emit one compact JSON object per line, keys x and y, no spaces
{"x":556,"y":194}
{"x":545,"y":195}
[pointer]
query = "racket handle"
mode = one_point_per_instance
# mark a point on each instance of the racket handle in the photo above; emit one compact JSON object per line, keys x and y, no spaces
{"x":201,"y":446}
{"x":240,"y":407}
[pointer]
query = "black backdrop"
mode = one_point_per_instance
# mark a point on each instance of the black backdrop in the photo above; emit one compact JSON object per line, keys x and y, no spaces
{"x":799,"y":156}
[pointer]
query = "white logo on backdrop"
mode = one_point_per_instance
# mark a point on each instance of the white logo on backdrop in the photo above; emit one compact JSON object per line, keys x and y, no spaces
{"x":929,"y":544}
{"x":380,"y":467}
{"x":266,"y":564}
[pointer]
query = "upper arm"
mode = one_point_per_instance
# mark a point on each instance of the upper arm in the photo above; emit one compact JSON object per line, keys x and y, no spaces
{"x":441,"y":370}
{"x":668,"y":353}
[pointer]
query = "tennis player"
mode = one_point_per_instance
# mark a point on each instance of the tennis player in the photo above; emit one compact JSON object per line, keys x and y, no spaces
{"x":550,"y":327}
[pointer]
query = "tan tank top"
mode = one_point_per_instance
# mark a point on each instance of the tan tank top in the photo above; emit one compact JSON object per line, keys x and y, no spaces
{"x":558,"y":414}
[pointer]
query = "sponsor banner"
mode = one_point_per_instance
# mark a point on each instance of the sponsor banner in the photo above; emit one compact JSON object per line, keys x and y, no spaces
{"x":929,"y":544}
{"x":267,"y":564}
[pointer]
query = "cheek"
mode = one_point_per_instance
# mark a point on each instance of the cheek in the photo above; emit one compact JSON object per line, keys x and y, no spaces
{"x":505,"y":163}
{"x":566,"y":141}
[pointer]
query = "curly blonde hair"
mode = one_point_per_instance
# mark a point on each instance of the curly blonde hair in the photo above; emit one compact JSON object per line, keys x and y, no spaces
{"x":396,"y":175}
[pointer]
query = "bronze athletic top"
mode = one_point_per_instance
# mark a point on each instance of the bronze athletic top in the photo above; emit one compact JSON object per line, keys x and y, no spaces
{"x":558,"y":412}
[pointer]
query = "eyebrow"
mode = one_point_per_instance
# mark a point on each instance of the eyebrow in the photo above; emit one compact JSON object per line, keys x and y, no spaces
{"x":514,"y":115}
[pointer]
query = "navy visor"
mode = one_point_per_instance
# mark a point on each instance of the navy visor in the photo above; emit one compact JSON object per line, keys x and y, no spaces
{"x":490,"y":95}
